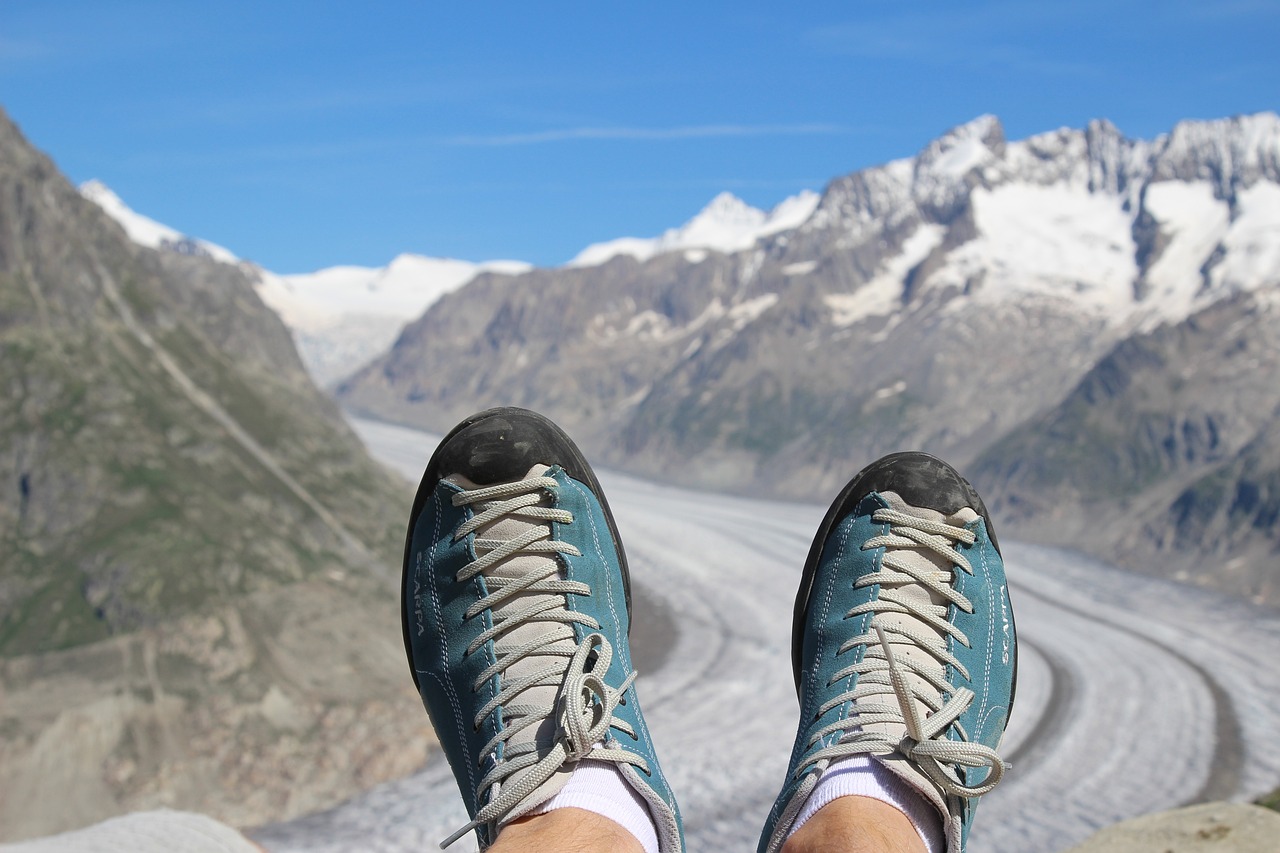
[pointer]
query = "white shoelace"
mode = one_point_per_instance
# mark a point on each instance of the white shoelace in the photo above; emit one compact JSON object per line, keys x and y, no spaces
{"x":584,"y":703}
{"x":913,"y":682}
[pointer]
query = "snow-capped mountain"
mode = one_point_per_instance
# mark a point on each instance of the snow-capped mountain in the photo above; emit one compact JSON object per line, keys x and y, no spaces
{"x":1118,"y":229}
{"x":146,"y":231}
{"x":944,"y":300}
{"x":340,"y":317}
{"x":727,"y":224}
{"x":343,"y":317}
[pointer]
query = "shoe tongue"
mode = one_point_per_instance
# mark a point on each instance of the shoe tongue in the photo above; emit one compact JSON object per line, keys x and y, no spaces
{"x":959,"y":518}
{"x":553,"y":634}
{"x":507,"y":527}
{"x":918,"y":597}
{"x":463,"y":481}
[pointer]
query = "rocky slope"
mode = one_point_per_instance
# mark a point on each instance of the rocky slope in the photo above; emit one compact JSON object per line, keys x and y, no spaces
{"x":941,"y":301}
{"x":194,"y":548}
{"x":1167,"y":453}
{"x":340,"y":317}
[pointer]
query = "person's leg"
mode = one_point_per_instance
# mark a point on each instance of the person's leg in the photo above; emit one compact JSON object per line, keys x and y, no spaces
{"x":905,"y":658}
{"x":568,"y":830}
{"x":516,"y":609}
{"x":856,"y":824}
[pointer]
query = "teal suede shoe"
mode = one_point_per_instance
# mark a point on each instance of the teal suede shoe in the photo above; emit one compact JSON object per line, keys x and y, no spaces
{"x":516,"y":610}
{"x":903,"y":645}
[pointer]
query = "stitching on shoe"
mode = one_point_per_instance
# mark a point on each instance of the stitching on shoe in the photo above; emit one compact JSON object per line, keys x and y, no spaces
{"x":846,"y":529}
{"x":991,"y":633}
{"x":447,"y":684}
{"x":624,"y":655}
{"x":853,"y":676}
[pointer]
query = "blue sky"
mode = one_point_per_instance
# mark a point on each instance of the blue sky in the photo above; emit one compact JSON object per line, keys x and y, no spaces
{"x":303,"y":135}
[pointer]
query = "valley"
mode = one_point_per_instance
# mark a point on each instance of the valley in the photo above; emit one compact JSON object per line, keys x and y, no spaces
{"x":1135,"y":694}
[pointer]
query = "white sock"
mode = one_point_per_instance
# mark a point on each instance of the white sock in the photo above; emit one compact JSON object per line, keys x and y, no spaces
{"x":598,"y":786}
{"x":861,"y":776}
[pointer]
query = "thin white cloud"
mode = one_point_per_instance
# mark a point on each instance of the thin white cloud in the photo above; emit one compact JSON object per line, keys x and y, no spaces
{"x":367,"y":146}
{"x":984,"y":34}
{"x":701,"y":131}
{"x":20,"y":51}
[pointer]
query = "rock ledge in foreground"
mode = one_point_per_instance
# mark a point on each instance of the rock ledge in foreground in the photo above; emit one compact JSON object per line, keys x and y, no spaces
{"x":1208,"y":828}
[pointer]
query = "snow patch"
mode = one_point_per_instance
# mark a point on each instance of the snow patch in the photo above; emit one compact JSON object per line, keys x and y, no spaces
{"x":883,"y":294}
{"x":648,"y":325}
{"x":345,"y":316}
{"x":967,"y":154}
{"x":597,"y":253}
{"x":890,"y":391}
{"x":1194,"y":222}
{"x":728,"y":224}
{"x":146,"y":231}
{"x":1252,"y":243}
{"x":800,"y":268}
{"x":790,"y":213}
{"x":1058,"y":241}
{"x":403,"y":289}
{"x":750,"y":310}
{"x":341,"y":317}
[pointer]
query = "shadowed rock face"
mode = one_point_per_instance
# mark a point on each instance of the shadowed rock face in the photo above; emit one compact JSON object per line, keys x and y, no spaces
{"x":1166,"y":457}
{"x":974,"y":301}
{"x":185,"y":521}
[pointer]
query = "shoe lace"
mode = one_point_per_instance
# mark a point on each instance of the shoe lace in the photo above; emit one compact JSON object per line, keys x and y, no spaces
{"x":584,"y":704}
{"x":926,"y":742}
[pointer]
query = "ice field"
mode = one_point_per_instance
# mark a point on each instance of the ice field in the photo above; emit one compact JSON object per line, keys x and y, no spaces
{"x":1134,"y":695}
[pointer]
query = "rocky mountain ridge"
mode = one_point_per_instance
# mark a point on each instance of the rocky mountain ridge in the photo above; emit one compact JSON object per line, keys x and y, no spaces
{"x":343,"y":317}
{"x":197,"y":553}
{"x":941,"y":301}
{"x":726,"y":224}
{"x":340,"y":317}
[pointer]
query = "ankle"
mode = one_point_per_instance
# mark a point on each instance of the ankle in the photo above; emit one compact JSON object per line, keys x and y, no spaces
{"x":856,"y":825}
{"x":566,"y":829}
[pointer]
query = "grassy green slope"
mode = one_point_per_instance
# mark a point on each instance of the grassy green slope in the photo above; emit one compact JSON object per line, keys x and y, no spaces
{"x":197,"y":601}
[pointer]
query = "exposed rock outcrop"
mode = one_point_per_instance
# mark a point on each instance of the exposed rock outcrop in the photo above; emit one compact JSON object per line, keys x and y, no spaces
{"x":196,"y":593}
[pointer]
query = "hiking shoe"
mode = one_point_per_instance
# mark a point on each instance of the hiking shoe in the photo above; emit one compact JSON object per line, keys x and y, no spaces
{"x":516,"y":609}
{"x":903,"y":644}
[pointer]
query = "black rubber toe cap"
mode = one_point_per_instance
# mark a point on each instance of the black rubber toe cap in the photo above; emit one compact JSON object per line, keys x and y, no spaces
{"x":500,"y":446}
{"x":919,"y":478}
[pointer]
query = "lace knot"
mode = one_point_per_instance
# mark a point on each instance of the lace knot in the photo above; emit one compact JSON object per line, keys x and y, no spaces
{"x":586,"y":702}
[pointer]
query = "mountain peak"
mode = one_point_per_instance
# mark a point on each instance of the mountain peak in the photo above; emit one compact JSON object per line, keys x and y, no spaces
{"x":964,"y":148}
{"x":725,"y":224}
{"x":146,"y":231}
{"x":1231,"y":153}
{"x":946,"y":168}
{"x":728,"y":207}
